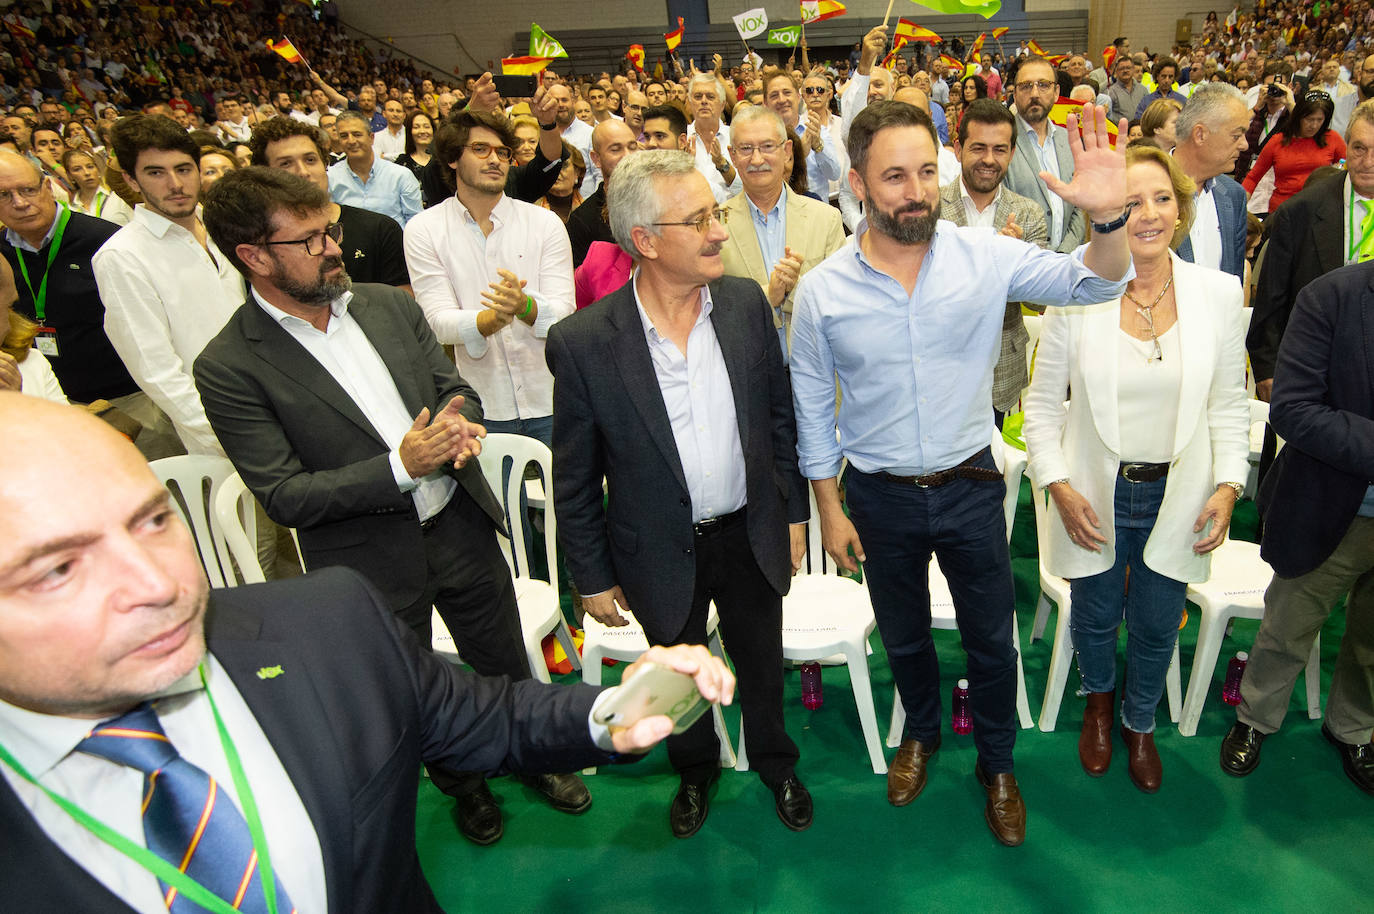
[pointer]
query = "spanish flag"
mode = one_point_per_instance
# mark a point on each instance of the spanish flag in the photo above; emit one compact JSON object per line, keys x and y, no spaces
{"x":20,"y":30}
{"x":674,"y":38}
{"x":820,"y":10}
{"x":998,"y":33}
{"x":636,"y":56}
{"x":524,"y":66}
{"x":1109,"y":58}
{"x":977,"y":47}
{"x":955,"y":64}
{"x":1036,"y":49}
{"x":912,"y":32}
{"x":1059,"y":114}
{"x":287,"y":50}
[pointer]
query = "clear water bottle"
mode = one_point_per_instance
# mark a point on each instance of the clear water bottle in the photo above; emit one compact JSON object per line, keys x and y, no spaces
{"x":813,"y":696}
{"x":961,"y":719}
{"x":1230,"y":691}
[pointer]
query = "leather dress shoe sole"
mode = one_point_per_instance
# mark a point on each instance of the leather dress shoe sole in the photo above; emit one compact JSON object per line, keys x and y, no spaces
{"x":793,"y":802}
{"x":1005,"y":810}
{"x":1240,"y":750}
{"x":690,"y":806}
{"x":1356,"y":758}
{"x":906,"y":776}
{"x":479,"y":818}
{"x":563,"y":792}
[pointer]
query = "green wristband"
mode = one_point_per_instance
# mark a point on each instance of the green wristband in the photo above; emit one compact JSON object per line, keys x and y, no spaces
{"x":529,"y":306}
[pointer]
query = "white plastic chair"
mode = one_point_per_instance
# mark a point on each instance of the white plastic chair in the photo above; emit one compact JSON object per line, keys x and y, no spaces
{"x":626,"y":643}
{"x":1235,"y":590}
{"x":540,"y":610}
{"x":1259,"y":421}
{"x":1056,"y":589}
{"x":235,"y":514}
{"x":194,"y":482}
{"x":1013,"y":462}
{"x":826,"y":616}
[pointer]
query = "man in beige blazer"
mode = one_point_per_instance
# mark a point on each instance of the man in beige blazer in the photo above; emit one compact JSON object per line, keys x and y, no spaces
{"x":985,"y":145}
{"x":776,"y":235}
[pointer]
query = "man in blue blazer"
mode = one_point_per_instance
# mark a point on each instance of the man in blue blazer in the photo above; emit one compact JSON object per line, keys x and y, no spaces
{"x":1318,"y":503}
{"x":325,"y":700}
{"x":1211,"y":134}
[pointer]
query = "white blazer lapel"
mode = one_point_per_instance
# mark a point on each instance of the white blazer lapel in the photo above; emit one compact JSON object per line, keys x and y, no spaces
{"x":1197,"y":348}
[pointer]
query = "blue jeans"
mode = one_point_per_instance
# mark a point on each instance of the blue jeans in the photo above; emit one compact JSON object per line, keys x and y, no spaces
{"x":963,"y":525}
{"x":1152,"y":608}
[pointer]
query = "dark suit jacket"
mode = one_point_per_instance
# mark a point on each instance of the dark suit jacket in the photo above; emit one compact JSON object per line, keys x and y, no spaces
{"x":357,"y":708}
{"x":1305,"y":238}
{"x":1323,"y":407}
{"x":309,"y":455}
{"x":1230,"y":199}
{"x":609,"y":419}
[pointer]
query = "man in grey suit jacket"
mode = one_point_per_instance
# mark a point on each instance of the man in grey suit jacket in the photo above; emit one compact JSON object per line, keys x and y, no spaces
{"x":985,"y":146}
{"x":699,"y":459}
{"x":347,"y":421}
{"x":1043,"y":146}
{"x":1211,"y":134}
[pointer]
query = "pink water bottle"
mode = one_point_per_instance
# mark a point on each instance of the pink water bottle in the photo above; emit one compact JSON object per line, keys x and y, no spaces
{"x":1230,"y":691}
{"x":812,"y":694}
{"x":962,"y":718}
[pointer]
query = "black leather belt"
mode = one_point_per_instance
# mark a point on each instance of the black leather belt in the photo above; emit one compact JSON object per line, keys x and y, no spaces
{"x":714,"y":525}
{"x":1144,"y":472}
{"x":965,"y":470}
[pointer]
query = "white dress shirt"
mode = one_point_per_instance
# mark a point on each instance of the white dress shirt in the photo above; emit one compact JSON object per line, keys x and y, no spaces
{"x":1206,"y":230}
{"x":1049,"y":161}
{"x":344,"y":351}
{"x":985,"y":219}
{"x":165,"y":298}
{"x":105,"y":205}
{"x":707,"y":167}
{"x":113,"y":792}
{"x":452,"y":263}
{"x":230,"y":132}
{"x":701,"y":409}
{"x":388,"y":145}
{"x":37,"y":380}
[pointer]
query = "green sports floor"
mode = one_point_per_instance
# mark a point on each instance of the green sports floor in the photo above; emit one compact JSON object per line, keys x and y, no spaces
{"x":1295,"y":836}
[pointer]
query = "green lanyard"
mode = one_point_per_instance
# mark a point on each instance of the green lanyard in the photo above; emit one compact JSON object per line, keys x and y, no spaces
{"x":150,"y":861}
{"x":1354,"y":240}
{"x":40,"y":298}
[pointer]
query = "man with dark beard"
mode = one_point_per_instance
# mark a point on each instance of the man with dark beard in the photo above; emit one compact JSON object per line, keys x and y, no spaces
{"x":344,"y":417}
{"x":912,"y":340}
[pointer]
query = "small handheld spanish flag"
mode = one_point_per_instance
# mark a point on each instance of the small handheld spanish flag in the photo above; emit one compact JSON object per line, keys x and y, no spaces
{"x":1059,"y":115}
{"x":1035,"y":48}
{"x":674,"y":38}
{"x":913,"y":32}
{"x":998,"y":33}
{"x":813,"y":11}
{"x":286,"y":49}
{"x":636,"y":56}
{"x":524,"y":66}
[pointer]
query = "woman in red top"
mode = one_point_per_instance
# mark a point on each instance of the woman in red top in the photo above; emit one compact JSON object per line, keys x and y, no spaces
{"x":1303,"y":145}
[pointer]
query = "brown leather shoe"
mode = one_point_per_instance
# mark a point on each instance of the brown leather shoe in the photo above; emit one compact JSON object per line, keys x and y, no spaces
{"x":906,"y":776}
{"x":1005,"y":811}
{"x":1143,"y":759}
{"x":1095,"y":742}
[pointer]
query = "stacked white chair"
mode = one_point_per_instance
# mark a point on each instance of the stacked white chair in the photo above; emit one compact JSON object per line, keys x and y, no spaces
{"x":195,"y":483}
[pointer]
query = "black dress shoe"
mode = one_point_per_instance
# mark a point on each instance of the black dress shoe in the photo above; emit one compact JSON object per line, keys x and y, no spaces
{"x":1356,"y":758}
{"x":793,"y":803}
{"x":564,"y":792}
{"x":690,"y":806}
{"x":1240,"y":750}
{"x":479,"y":818}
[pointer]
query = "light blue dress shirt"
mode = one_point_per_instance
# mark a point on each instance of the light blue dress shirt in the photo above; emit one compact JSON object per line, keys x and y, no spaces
{"x":701,"y":410}
{"x":771,"y":230}
{"x":390,"y":189}
{"x":1049,"y":161}
{"x":821,"y":167}
{"x":916,"y":370}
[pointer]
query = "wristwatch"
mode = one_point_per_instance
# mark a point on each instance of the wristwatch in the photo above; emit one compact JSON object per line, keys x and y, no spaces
{"x":1236,"y":487}
{"x":553,"y":126}
{"x":1103,"y":228}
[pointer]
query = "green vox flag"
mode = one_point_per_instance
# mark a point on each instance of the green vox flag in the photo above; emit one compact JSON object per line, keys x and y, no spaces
{"x":787,"y":37}
{"x":542,"y":44}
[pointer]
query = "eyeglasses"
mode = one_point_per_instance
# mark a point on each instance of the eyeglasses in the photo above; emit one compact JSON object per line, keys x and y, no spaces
{"x":484,"y":151}
{"x":314,"y":244}
{"x":25,"y":194}
{"x":701,"y":223}
{"x":815,"y":90}
{"x":1316,"y":96}
{"x":1040,"y":85}
{"x":746,"y":150}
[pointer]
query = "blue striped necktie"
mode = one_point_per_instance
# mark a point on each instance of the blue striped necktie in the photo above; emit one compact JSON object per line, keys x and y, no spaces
{"x":187,"y":820}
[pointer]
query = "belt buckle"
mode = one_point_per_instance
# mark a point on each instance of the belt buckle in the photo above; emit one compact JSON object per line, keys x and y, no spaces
{"x":1127,"y":469}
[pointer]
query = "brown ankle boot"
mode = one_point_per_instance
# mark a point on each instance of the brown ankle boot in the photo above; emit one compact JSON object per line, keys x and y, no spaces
{"x":1095,"y":742}
{"x":1143,"y":759}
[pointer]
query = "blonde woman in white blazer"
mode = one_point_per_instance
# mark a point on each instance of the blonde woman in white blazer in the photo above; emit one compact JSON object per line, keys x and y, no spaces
{"x":1145,"y":461}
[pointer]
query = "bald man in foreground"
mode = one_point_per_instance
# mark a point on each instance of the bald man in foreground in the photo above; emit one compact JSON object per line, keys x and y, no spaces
{"x":230,"y":718}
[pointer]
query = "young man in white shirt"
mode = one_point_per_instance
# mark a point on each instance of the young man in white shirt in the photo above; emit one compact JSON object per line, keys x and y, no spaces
{"x":390,"y":141}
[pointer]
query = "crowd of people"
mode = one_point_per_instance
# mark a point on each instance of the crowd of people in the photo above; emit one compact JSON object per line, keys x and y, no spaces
{"x":723,"y":296}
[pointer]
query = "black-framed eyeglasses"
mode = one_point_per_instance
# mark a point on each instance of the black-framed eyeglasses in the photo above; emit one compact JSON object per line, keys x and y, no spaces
{"x":701,"y":223}
{"x":815,"y":90}
{"x":484,"y":151}
{"x":314,"y":244}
